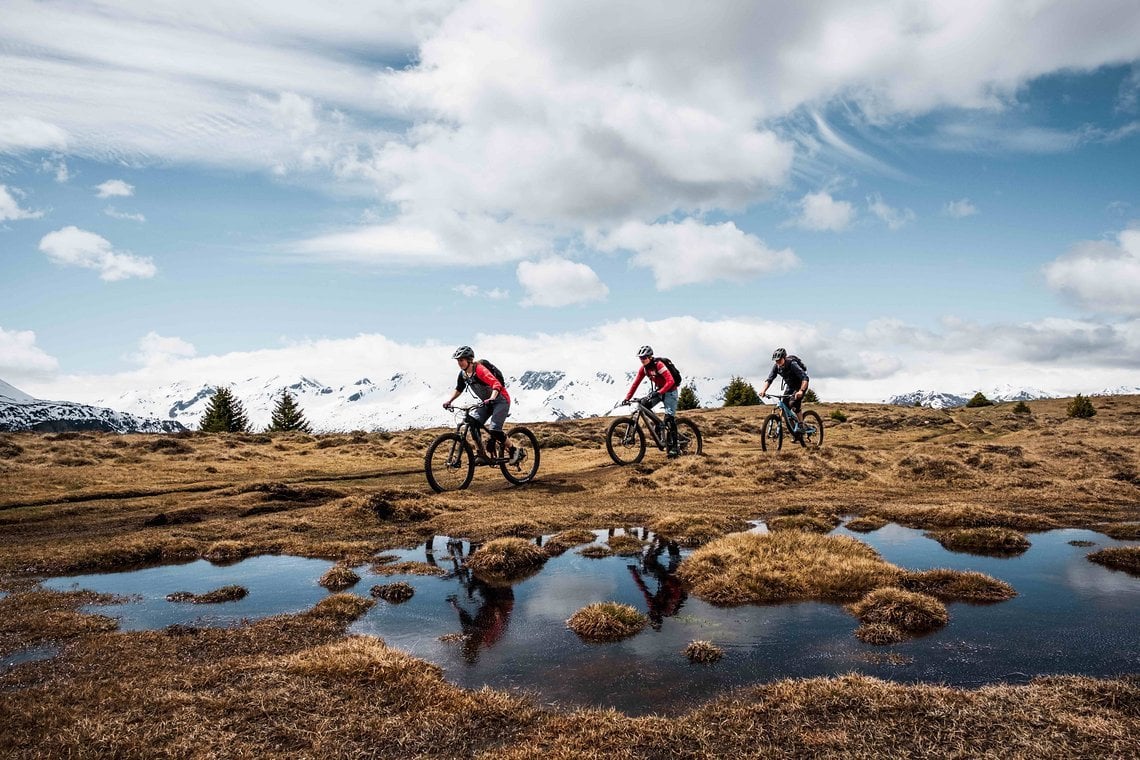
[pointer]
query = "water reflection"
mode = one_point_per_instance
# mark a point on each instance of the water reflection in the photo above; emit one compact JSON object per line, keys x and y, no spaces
{"x":670,"y":595}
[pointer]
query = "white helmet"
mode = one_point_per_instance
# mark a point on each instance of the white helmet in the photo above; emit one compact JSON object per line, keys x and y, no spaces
{"x":644,"y":351}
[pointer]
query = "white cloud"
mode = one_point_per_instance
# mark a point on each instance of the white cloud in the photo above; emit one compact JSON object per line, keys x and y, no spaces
{"x":114,"y":213}
{"x":72,"y":246}
{"x":960,"y":209}
{"x":687,"y":252}
{"x":895,"y":218}
{"x":474,"y":291}
{"x":25,"y":133}
{"x":114,"y":188}
{"x":157,"y":349}
{"x":559,"y":282}
{"x":58,"y":166}
{"x":822,"y":213}
{"x":1103,"y":276}
{"x":10,"y":206}
{"x":20,"y":357}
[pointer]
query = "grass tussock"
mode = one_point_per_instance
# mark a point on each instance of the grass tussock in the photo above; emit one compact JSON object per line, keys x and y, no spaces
{"x":217,"y":596}
{"x":696,"y":529}
{"x":625,"y":545}
{"x":880,"y":634}
{"x":388,"y":567}
{"x":745,"y":568}
{"x":957,"y":586}
{"x":506,"y":558}
{"x":700,"y":651}
{"x":339,"y":577}
{"x":866,"y":523}
{"x":964,"y":516}
{"x":998,"y":541}
{"x":228,"y":551}
{"x":908,"y":611}
{"x":343,"y":608}
{"x":38,"y":616}
{"x":1121,"y":531}
{"x":362,"y":660}
{"x":806,"y":523}
{"x":568,"y":539}
{"x":400,"y":591}
{"x":1126,"y":558}
{"x":607,"y":621}
{"x":596,"y":551}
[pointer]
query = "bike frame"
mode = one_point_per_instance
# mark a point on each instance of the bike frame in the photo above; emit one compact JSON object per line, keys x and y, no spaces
{"x":789,"y":416}
{"x":642,"y":414}
{"x":463,"y":429}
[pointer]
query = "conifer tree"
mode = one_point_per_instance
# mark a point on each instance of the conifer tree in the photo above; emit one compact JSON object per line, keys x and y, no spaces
{"x":287,"y":415}
{"x":224,"y":414}
{"x":1081,"y":407}
{"x":687,"y":399}
{"x":810,"y":397}
{"x":979,"y":399}
{"x":740,"y":393}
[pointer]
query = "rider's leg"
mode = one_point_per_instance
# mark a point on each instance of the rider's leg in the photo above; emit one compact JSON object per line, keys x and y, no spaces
{"x":495,"y":426}
{"x":670,"y":400}
{"x":479,"y":414}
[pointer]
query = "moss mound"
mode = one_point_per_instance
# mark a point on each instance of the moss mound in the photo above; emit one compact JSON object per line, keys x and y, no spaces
{"x":506,"y":558}
{"x":779,"y":567}
{"x":606,"y":621}
{"x":338,"y":578}
{"x":957,"y":586}
{"x":1126,"y":558}
{"x":991,"y":540}
{"x":700,"y":651}
{"x":866,"y":523}
{"x":909,"y":612}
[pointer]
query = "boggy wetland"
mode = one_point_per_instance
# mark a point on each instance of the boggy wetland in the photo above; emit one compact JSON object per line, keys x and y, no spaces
{"x":950,"y":583}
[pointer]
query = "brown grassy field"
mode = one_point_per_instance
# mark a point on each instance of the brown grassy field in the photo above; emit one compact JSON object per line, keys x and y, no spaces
{"x":297,"y":685}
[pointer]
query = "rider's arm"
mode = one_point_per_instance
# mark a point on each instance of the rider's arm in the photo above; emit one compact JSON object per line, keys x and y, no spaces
{"x":670,"y":383}
{"x":488,"y":377}
{"x":636,"y":382}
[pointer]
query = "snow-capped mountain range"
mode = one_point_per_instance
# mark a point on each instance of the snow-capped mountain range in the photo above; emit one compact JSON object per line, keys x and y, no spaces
{"x":21,"y":411}
{"x":1001,"y":394}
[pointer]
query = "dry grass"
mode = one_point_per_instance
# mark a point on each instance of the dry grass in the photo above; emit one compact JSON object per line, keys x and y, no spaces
{"x":506,"y":558}
{"x":607,"y":621}
{"x":998,"y":541}
{"x":701,"y":651}
{"x":596,"y":551}
{"x":806,"y":523}
{"x":217,"y":596}
{"x":957,"y":586}
{"x":697,"y":528}
{"x":339,"y":577}
{"x":907,"y":611}
{"x":880,"y":634}
{"x":625,"y":545}
{"x":405,"y":568}
{"x":866,"y":523}
{"x":400,"y":591}
{"x":1126,"y":558}
{"x":1121,"y":531}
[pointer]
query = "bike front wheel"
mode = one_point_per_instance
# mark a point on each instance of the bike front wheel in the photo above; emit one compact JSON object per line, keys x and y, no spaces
{"x":813,"y":430}
{"x":772,"y":433}
{"x":527,"y":466}
{"x":625,"y":442}
{"x":689,"y":439}
{"x":449,"y":464}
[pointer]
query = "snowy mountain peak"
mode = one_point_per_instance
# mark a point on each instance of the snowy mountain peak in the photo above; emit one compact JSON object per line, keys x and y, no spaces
{"x":14,"y":394}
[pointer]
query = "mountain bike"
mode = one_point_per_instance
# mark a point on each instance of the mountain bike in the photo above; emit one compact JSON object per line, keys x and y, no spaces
{"x":451,"y":458}
{"x":625,"y":440}
{"x":772,"y":433}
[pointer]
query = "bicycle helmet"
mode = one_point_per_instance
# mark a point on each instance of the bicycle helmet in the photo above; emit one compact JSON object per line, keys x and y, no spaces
{"x":463,"y":352}
{"x":779,"y":353}
{"x":645,"y":351}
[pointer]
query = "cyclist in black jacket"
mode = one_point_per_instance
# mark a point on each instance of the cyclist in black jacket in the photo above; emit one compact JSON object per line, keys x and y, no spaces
{"x":795,"y":376}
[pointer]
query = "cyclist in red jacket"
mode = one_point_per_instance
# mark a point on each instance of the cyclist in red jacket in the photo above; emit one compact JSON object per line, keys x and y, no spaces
{"x":666,"y":391}
{"x":496,"y":403}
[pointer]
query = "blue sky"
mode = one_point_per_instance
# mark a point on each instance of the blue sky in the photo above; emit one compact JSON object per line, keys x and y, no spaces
{"x":892,"y":188}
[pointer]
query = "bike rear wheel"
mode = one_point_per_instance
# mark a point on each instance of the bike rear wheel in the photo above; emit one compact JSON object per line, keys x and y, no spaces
{"x":527,"y":468}
{"x":772,"y":433}
{"x":449,"y":464}
{"x":625,"y":441}
{"x":813,"y":430}
{"x":689,"y":439}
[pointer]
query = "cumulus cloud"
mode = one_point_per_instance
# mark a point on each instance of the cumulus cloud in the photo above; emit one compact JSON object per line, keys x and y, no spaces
{"x":822,"y":213}
{"x":1101,"y":275}
{"x":960,"y":208}
{"x":114,"y":188}
{"x":895,"y":218}
{"x":20,"y":357}
{"x":157,"y":349}
{"x":72,"y":246}
{"x":687,"y":252}
{"x":10,"y":206}
{"x":556,"y":281}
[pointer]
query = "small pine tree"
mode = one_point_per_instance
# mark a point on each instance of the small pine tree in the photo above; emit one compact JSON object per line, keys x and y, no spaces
{"x":810,"y":397}
{"x":740,"y":393}
{"x":687,"y":399}
{"x":1081,"y":407}
{"x":979,"y":399}
{"x":838,"y":415}
{"x":1021,"y":408}
{"x":224,"y":414}
{"x":287,"y":415}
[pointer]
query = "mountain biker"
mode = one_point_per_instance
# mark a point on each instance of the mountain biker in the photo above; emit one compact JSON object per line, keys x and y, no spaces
{"x":495,"y":402}
{"x":666,"y":391}
{"x":794,"y":376}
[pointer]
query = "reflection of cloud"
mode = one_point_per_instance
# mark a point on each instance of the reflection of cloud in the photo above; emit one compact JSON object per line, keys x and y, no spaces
{"x":1090,"y":578}
{"x":557,"y":593}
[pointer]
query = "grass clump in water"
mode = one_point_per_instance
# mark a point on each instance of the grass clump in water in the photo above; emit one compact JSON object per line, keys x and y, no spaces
{"x":880,"y":634}
{"x":217,"y":596}
{"x":607,"y":621}
{"x":227,"y":551}
{"x":339,"y":577}
{"x":700,"y":651}
{"x":625,"y":545}
{"x":694,"y":530}
{"x":507,"y":558}
{"x":745,"y":568}
{"x":342,"y":608}
{"x":385,"y":566}
{"x":907,"y":611}
{"x":1126,"y":558}
{"x":957,"y":586}
{"x":991,"y":540}
{"x":400,"y":591}
{"x":866,"y":523}
{"x":596,"y":551}
{"x":567,"y":539}
{"x":805,"y":523}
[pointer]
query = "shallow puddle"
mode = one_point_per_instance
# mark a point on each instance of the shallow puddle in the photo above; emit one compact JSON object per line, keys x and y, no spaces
{"x":1071,"y":616}
{"x":31,"y":654}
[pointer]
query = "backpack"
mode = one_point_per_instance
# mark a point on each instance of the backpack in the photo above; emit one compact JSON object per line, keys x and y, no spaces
{"x":494,"y":371}
{"x":672,"y":370}
{"x":799,"y":362}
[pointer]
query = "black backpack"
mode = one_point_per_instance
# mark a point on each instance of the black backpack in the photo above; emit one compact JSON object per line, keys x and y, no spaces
{"x":494,"y":371}
{"x":799,"y":362}
{"x":672,"y":370}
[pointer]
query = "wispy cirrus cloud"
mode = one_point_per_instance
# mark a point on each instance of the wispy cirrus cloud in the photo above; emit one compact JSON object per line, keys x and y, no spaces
{"x":960,"y":209}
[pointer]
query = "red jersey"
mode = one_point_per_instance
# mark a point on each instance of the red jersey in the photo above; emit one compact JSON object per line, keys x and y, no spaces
{"x":658,"y":373}
{"x":482,"y":383}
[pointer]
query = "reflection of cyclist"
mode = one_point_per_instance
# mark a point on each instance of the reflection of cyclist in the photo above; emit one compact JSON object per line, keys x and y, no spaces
{"x":489,"y":622}
{"x":670,"y":595}
{"x":666,"y":391}
{"x":496,"y":403}
{"x":794,"y":375}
